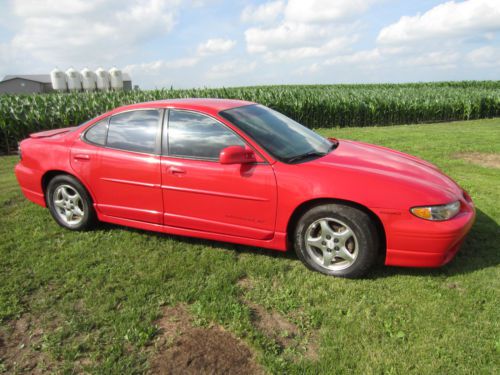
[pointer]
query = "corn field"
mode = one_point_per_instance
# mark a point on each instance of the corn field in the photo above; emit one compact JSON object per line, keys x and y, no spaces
{"x":312,"y":105}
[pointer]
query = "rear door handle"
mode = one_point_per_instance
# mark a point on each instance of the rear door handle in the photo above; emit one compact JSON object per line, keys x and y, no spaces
{"x":81,"y":157}
{"x":176,"y":170}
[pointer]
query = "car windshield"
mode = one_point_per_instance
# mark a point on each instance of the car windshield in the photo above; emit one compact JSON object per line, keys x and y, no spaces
{"x":282,"y":137}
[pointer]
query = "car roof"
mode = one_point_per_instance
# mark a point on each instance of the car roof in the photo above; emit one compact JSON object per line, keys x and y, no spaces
{"x":201,"y":104}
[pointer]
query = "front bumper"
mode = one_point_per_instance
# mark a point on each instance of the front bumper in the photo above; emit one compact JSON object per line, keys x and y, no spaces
{"x":414,"y":242}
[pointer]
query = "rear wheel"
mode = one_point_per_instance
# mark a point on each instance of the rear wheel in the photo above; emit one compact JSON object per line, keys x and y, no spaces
{"x":337,"y":240}
{"x":69,"y":203}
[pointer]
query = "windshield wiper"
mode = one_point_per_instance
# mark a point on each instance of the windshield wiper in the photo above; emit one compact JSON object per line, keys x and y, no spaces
{"x":305,"y":156}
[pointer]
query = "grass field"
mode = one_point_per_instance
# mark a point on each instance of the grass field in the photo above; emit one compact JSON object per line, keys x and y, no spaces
{"x":105,"y":301}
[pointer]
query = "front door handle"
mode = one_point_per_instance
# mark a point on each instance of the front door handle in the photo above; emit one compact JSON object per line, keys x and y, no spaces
{"x":176,"y":170}
{"x":81,"y":157}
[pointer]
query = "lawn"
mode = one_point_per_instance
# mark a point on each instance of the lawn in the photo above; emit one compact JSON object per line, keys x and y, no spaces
{"x":106,"y":301}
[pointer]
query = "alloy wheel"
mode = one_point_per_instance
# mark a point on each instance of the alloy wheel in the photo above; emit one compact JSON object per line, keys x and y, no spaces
{"x":68,"y":204}
{"x":331,"y":244}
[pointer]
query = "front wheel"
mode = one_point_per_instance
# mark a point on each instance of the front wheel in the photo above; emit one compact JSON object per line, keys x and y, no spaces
{"x":337,"y":240}
{"x":69,"y":203}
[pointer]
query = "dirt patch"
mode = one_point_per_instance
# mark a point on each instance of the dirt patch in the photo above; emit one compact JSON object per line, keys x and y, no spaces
{"x":183,"y":349}
{"x":12,"y":202}
{"x":456,"y":286}
{"x":245,"y":283}
{"x":278,"y":328}
{"x":20,"y":347}
{"x":286,"y":334}
{"x":480,"y":158}
{"x":273,"y":324}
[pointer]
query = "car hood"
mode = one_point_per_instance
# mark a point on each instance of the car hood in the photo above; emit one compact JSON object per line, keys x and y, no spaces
{"x":390,"y":163}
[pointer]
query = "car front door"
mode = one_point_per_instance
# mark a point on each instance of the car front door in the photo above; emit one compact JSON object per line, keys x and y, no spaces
{"x":202,"y":194}
{"x":125,"y":174}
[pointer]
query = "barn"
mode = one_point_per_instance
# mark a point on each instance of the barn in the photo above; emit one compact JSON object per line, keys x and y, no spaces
{"x":26,"y":84}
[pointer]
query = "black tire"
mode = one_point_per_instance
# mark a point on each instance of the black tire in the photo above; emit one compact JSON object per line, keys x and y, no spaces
{"x":89,"y":217}
{"x":365,"y":239}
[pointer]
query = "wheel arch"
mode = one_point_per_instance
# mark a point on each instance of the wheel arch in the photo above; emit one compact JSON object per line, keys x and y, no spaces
{"x":50,"y":174}
{"x":307,"y":205}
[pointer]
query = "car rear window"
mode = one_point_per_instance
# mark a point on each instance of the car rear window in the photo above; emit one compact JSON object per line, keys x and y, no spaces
{"x":97,"y":133}
{"x":134,"y":130}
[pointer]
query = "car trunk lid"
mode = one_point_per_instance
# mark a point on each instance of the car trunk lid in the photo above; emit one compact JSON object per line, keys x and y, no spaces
{"x":51,"y":133}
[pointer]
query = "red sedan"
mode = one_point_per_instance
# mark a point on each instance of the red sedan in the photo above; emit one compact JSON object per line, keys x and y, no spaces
{"x":239,"y":172}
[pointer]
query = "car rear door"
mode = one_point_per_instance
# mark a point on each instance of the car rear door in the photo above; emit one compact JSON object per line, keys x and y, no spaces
{"x":124,"y":173}
{"x":85,"y":152}
{"x":202,"y":194}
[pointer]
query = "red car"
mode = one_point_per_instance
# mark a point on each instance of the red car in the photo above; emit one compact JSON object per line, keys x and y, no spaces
{"x":239,"y":172}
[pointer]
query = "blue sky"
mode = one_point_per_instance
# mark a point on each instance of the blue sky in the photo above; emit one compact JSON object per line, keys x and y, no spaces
{"x":213,"y":43}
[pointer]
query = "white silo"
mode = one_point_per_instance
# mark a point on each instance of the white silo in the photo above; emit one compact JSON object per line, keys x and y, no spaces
{"x":116,"y":79}
{"x":88,"y":79}
{"x":103,"y":79}
{"x":74,"y":80}
{"x":58,"y":78}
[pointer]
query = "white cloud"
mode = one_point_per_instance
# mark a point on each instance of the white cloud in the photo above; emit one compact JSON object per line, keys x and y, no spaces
{"x":210,"y":47}
{"x":42,"y":8}
{"x":485,"y":57}
{"x":231,"y":68}
{"x":90,"y":31}
{"x":330,"y":47}
{"x":291,"y":40}
{"x":325,"y":10}
{"x":366,"y":57}
{"x":309,"y":40}
{"x":158,"y":65}
{"x":447,"y":20}
{"x":264,"y":13}
{"x":143,"y":18}
{"x":179,"y":72}
{"x":388,"y":58}
{"x":215,"y":46}
{"x":436,"y":59}
{"x":308,"y":29}
{"x":394,"y":56}
{"x":287,"y":35}
{"x":4,"y":57}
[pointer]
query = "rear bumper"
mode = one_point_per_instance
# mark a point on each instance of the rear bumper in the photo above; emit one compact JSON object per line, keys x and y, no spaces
{"x":29,"y":181}
{"x":415,"y":242}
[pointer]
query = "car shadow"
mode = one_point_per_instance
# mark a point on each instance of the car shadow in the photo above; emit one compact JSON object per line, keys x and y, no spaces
{"x":481,"y":249}
{"x":214,"y":244}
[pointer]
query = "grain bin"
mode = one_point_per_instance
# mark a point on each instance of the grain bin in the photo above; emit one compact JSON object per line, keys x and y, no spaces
{"x":58,"y":79}
{"x":74,"y":80}
{"x":89,"y":79}
{"x":116,"y":79}
{"x":103,"y":79}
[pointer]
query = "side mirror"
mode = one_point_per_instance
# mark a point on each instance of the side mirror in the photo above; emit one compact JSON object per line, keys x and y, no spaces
{"x":236,"y":155}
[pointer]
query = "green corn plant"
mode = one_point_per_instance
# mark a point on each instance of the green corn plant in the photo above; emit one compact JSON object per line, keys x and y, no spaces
{"x":312,"y":105}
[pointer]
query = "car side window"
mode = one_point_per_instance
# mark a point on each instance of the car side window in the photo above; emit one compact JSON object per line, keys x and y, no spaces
{"x":97,"y":133}
{"x":197,"y":136}
{"x":134,"y":130}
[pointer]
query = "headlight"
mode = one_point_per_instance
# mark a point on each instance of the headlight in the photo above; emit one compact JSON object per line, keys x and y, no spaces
{"x":437,"y":213}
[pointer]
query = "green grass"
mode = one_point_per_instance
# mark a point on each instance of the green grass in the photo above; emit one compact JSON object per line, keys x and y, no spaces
{"x":97,"y":294}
